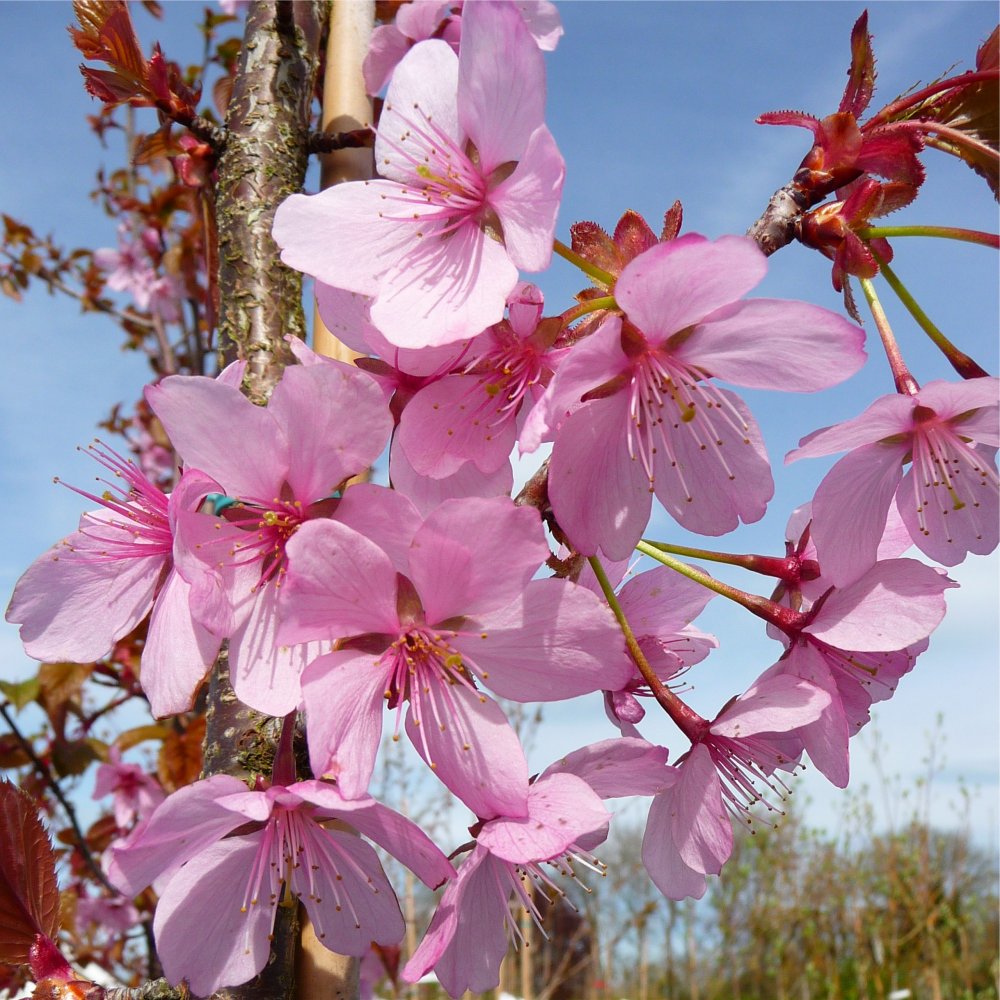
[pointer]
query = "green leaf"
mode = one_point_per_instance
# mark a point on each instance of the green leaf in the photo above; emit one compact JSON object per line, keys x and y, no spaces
{"x":21,"y":693}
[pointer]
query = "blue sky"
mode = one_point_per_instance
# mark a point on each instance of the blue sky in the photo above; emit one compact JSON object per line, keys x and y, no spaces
{"x":649,"y":102}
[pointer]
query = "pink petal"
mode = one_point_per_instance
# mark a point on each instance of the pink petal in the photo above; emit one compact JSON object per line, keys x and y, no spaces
{"x":661,"y":859}
{"x":776,"y":344}
{"x":265,"y":673}
{"x":527,"y":202}
{"x":776,"y":704}
{"x":700,"y":824}
{"x":467,"y":741}
{"x":600,"y":496}
{"x":677,"y":284}
{"x":721,"y":476}
{"x":598,"y":360}
{"x":217,"y":430}
{"x":851,"y":507}
{"x":895,"y":604}
{"x":501,"y":83}
{"x":467,"y":481}
{"x":404,"y":840}
{"x":444,"y":288}
{"x":72,"y":604}
{"x":561,"y":809}
{"x":238,"y":946}
{"x":455,"y":420}
{"x":338,"y":584}
{"x":345,"y":236}
{"x":455,"y":578}
{"x":825,"y":739}
{"x":385,"y":516}
{"x":466,"y":939}
{"x":184,"y":824}
{"x":421,"y":99}
{"x":556,"y":641}
{"x":346,"y":894}
{"x":661,"y":601}
{"x":386,"y":48}
{"x":178,"y":653}
{"x":949,"y":516}
{"x":618,"y":767}
{"x":886,"y":417}
{"x":343,"y":694}
{"x":338,"y":421}
{"x":952,"y":399}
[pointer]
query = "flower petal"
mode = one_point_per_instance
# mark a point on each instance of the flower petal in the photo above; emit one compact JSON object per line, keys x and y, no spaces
{"x":677,"y":284}
{"x":343,"y":694}
{"x":469,"y":744}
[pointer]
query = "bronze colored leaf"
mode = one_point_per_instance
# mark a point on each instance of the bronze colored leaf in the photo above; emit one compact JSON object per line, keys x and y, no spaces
{"x":180,"y":758}
{"x":29,"y":895}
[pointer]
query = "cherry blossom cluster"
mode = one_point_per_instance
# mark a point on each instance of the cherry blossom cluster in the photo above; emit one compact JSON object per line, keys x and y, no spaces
{"x":434,"y":596}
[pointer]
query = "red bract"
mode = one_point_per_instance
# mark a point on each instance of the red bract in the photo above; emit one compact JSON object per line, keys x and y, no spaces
{"x":845,"y":150}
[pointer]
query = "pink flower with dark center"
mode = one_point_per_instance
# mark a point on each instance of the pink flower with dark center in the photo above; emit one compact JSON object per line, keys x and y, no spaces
{"x":948,"y":499}
{"x":427,"y":613}
{"x":634,"y":411}
{"x":473,"y":414}
{"x":281,"y":850}
{"x":473,"y":181}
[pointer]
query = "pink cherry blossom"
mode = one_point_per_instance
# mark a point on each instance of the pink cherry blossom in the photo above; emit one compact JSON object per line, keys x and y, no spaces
{"x":282,"y":465}
{"x":949,"y":497}
{"x":473,"y":181}
{"x":95,"y":586}
{"x":426,"y":613}
{"x":282,"y":849}
{"x":472,"y":414}
{"x":135,"y":793}
{"x":860,"y":639}
{"x":403,"y":373}
{"x":422,"y":19}
{"x":132,"y":271}
{"x":730,"y":767}
{"x":469,"y":933}
{"x":633,"y":410}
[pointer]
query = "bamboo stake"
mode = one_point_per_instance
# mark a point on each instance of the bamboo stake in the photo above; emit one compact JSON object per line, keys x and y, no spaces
{"x":319,"y":971}
{"x":346,"y":107}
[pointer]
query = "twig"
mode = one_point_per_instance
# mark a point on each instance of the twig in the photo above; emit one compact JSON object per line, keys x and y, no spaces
{"x":330,"y":142}
{"x":43,"y":771}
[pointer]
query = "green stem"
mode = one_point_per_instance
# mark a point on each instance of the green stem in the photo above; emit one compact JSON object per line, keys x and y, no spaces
{"x":942,"y":232}
{"x":598,"y":274}
{"x":670,"y":703}
{"x":958,"y":360}
{"x":772,"y":612}
{"x":787,"y":568}
{"x":905,"y":382}
{"x":591,"y":305}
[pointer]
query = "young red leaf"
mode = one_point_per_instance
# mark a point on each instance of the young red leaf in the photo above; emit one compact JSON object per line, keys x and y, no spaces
{"x":29,"y":895}
{"x":861,"y":75}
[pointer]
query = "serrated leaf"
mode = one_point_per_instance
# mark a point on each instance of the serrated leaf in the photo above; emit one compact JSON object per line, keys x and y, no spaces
{"x":972,"y":112}
{"x":61,"y":682}
{"x":861,"y":75}
{"x":21,"y":693}
{"x":29,"y":895}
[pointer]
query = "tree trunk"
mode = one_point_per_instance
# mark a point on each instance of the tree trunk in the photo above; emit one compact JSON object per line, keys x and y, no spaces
{"x":260,"y":301}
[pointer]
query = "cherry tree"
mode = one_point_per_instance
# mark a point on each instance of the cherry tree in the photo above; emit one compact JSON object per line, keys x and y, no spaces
{"x":270,"y":608}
